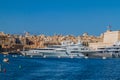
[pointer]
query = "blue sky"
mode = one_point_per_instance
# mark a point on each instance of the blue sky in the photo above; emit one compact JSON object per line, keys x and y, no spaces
{"x":59,"y":16}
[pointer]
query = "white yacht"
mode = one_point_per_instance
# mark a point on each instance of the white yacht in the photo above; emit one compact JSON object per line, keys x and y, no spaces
{"x":66,"y":49}
{"x":111,"y":51}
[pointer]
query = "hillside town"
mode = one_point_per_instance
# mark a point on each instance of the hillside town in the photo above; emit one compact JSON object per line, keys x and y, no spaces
{"x":13,"y":43}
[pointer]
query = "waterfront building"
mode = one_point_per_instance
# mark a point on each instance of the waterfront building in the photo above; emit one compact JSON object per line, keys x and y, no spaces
{"x":109,"y":38}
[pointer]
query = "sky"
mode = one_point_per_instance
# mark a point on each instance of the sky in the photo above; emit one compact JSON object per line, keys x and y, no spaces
{"x":67,"y":17}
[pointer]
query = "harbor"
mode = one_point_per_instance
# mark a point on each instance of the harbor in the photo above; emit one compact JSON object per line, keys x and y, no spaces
{"x":70,"y":46}
{"x":72,"y":58}
{"x":27,"y":68}
{"x":59,"y":40}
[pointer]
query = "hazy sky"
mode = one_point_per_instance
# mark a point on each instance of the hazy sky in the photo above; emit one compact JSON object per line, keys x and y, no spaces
{"x":59,"y":16}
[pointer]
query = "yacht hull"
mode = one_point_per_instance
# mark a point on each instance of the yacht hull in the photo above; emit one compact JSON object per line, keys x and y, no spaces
{"x":52,"y":54}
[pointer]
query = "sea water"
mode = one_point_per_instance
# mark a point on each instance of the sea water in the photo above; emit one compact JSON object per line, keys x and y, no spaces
{"x":36,"y":68}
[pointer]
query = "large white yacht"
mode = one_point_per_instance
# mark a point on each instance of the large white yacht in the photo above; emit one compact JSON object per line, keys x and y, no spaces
{"x":111,"y":51}
{"x":66,"y":49}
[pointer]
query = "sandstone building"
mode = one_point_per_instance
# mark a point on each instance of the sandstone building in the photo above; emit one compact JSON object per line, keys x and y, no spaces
{"x":109,"y":38}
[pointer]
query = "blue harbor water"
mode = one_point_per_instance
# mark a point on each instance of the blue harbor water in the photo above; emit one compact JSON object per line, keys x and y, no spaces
{"x":36,"y":68}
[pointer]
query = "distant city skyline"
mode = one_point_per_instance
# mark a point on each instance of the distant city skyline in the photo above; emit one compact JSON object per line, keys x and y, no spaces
{"x":65,"y":17}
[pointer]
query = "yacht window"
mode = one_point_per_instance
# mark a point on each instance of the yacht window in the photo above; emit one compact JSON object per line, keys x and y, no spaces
{"x":116,"y":51}
{"x":100,"y":51}
{"x":75,"y":51}
{"x":75,"y":48}
{"x":44,"y":49}
{"x":60,"y":50}
{"x":54,"y":46}
{"x":82,"y":49}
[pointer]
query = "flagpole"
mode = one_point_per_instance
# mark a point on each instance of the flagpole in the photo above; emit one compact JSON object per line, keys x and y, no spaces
{"x":109,"y":28}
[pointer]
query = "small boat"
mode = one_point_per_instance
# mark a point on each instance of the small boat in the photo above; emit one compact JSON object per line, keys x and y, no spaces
{"x":103,"y":57}
{"x":86,"y":57}
{"x":5,"y":60}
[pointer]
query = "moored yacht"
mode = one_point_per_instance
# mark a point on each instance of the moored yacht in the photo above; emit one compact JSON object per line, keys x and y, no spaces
{"x":111,"y":51}
{"x":66,"y":49}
